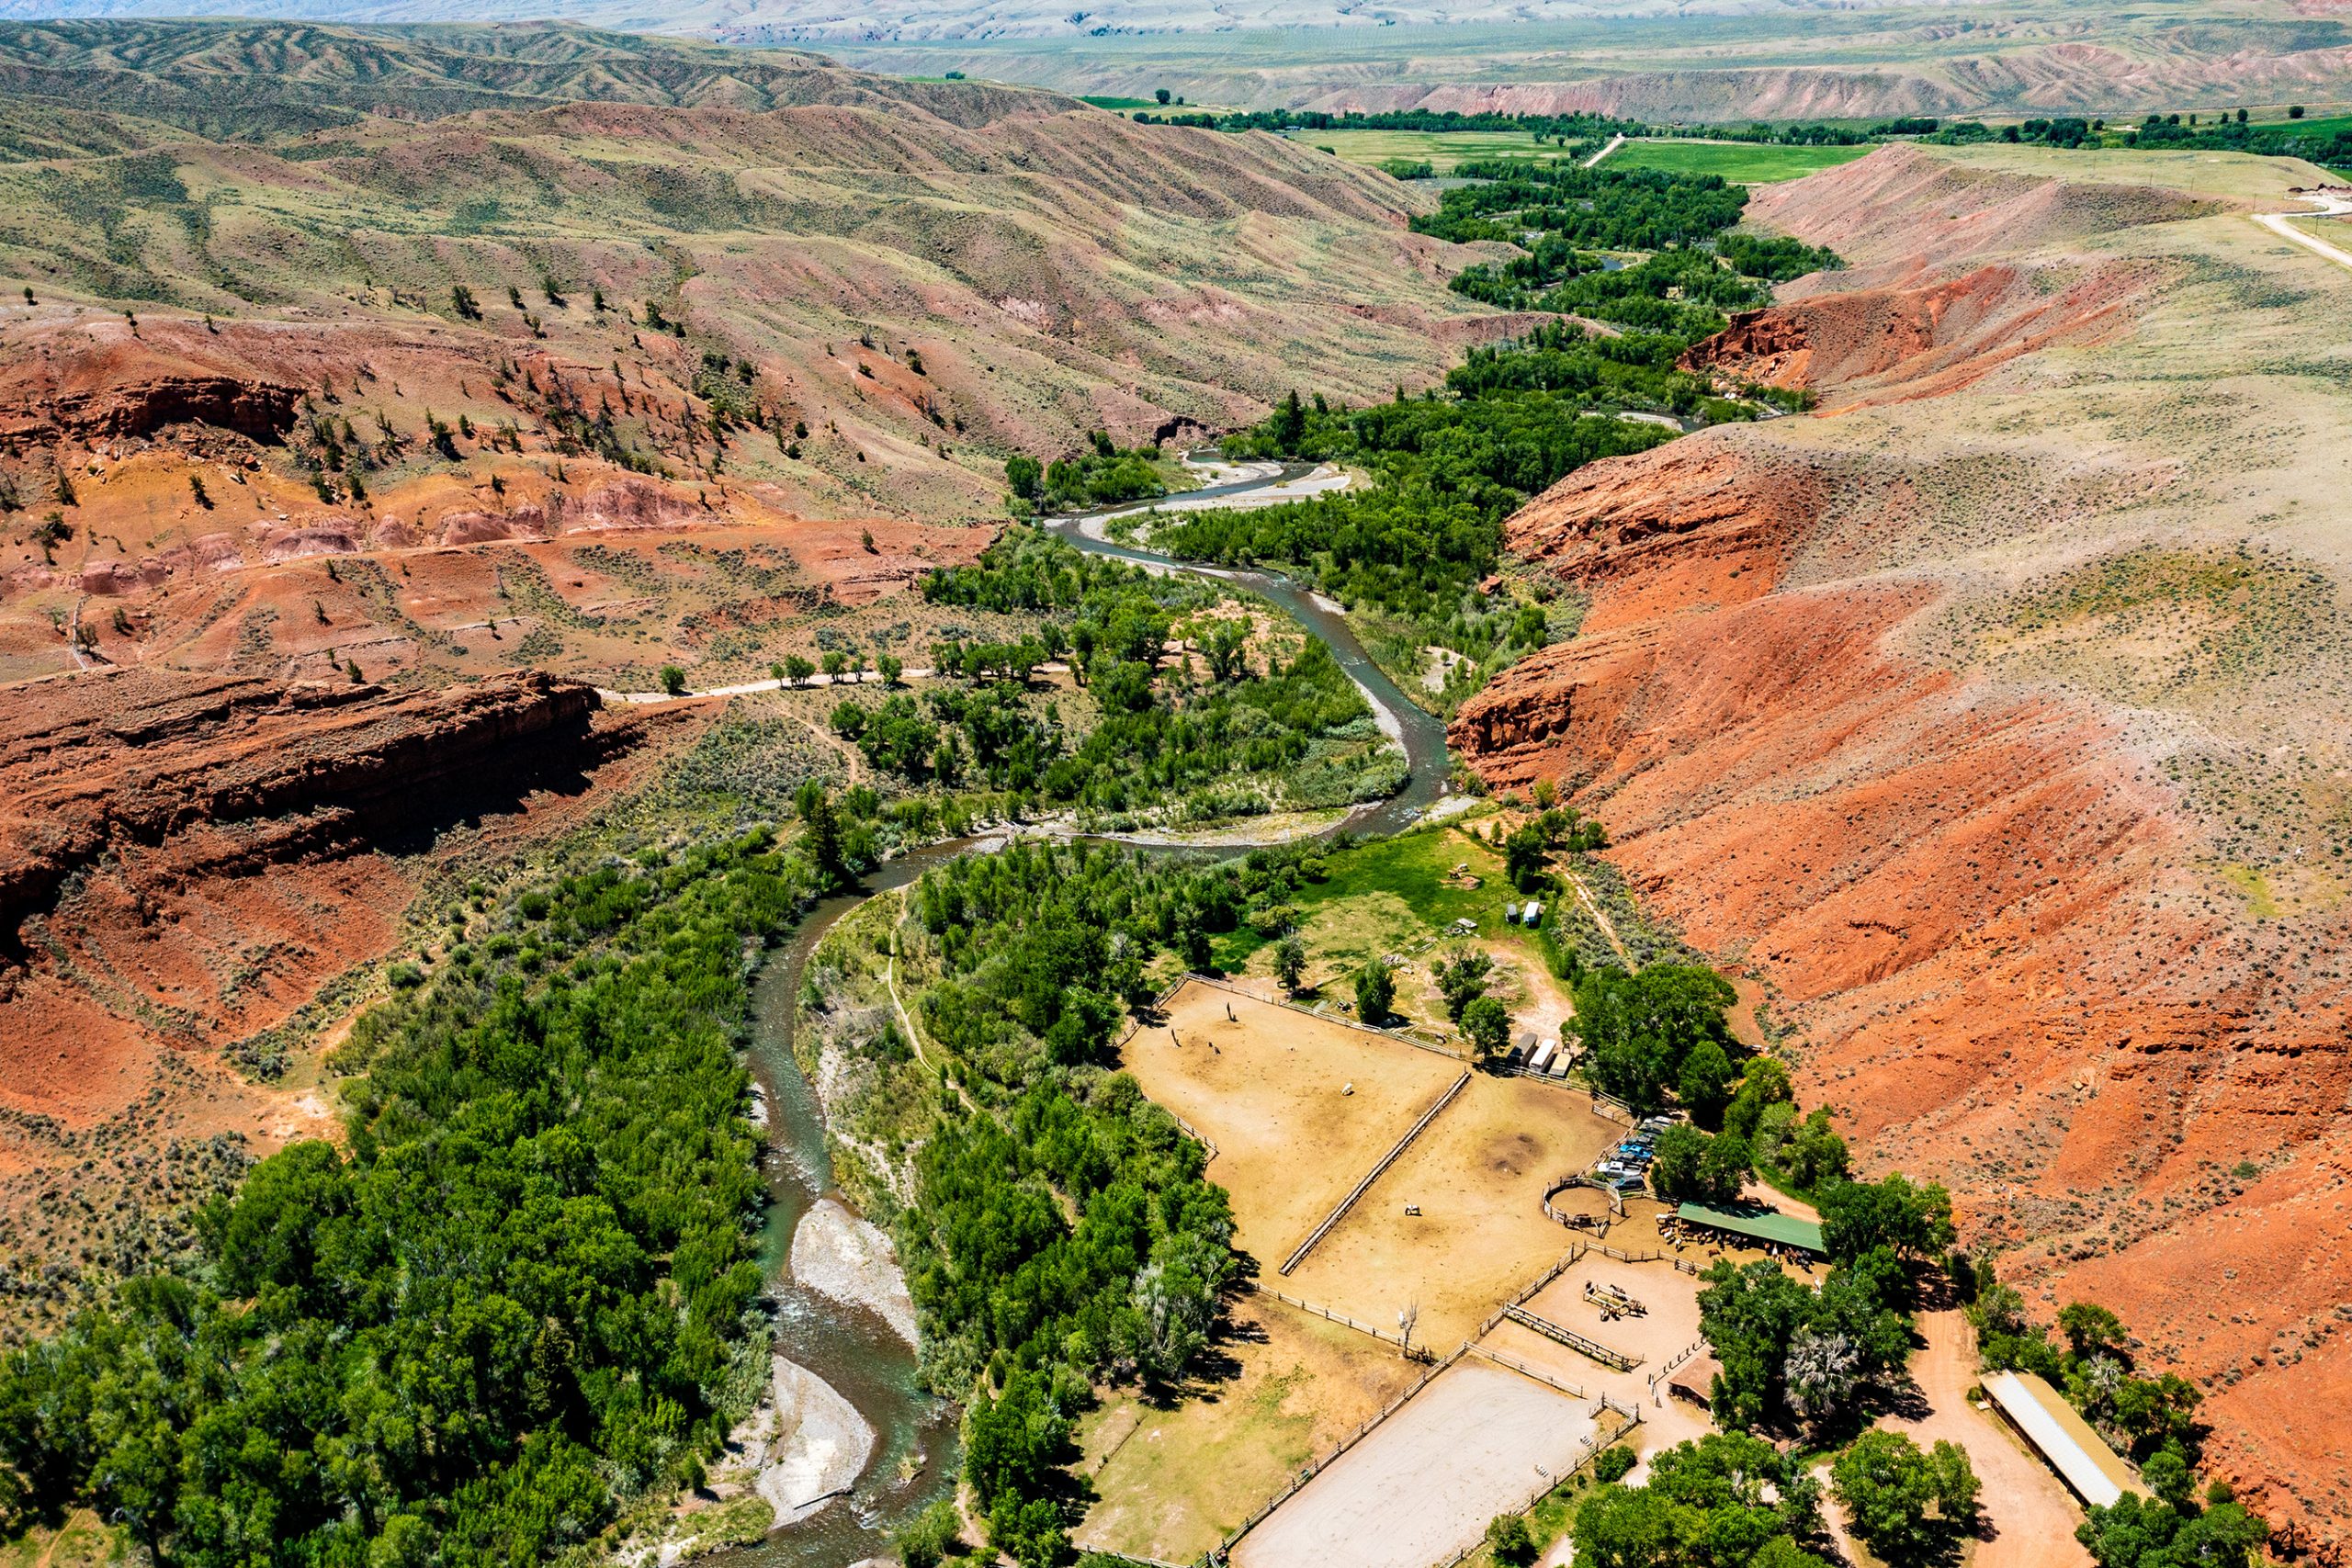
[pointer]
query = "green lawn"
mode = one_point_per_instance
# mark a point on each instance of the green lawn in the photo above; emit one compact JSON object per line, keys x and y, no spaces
{"x":1379,"y":891}
{"x":1128,"y":104}
{"x":1747,"y":163}
{"x":1742,"y":162}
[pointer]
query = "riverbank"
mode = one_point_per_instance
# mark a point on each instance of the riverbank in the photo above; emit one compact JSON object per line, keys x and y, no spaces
{"x":839,"y":1255}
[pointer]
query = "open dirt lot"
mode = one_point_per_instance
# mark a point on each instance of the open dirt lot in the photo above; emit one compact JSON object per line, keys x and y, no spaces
{"x":1172,"y":1480}
{"x":1265,"y":1088}
{"x":1478,"y":1175}
{"x":1428,"y":1479}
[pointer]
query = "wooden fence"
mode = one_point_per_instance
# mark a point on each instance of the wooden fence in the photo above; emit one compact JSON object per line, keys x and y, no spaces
{"x":1315,"y":1467}
{"x":1503,"y":1358}
{"x":1675,"y":1360}
{"x":1336,"y":1215}
{"x":1592,"y":1452}
{"x":1409,"y":1035}
{"x":1328,"y":1315}
{"x":1616,"y":1360}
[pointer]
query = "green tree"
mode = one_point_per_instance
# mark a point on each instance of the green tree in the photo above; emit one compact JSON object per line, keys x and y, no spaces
{"x":2091,"y":1329}
{"x":1887,"y":1487}
{"x":1462,"y":980}
{"x":1509,"y":1541}
{"x":822,"y":834}
{"x":796,"y":670}
{"x":1487,"y":1026}
{"x":1704,"y":1084}
{"x":1725,"y":1168}
{"x":1914,"y":1221}
{"x":674,"y":680}
{"x":1375,"y":991}
{"x":1290,"y":963}
{"x":1674,"y":1164}
{"x":2134,"y":1532}
{"x":1814,"y":1157}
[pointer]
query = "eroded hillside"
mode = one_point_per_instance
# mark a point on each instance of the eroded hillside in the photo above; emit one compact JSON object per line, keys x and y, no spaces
{"x":457,"y":351}
{"x":342,"y":461}
{"x":1994,"y":716}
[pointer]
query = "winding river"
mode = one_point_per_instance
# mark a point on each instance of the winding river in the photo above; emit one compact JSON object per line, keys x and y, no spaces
{"x":914,"y":1457}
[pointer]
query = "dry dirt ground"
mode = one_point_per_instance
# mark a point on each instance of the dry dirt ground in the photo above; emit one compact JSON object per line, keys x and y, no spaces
{"x":1479,"y":1440}
{"x":1266,"y":1087}
{"x":2030,"y":1516}
{"x":1281,"y":1387}
{"x":1478,"y":1175}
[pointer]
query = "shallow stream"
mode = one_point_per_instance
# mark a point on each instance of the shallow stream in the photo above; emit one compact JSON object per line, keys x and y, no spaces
{"x":853,"y":1349}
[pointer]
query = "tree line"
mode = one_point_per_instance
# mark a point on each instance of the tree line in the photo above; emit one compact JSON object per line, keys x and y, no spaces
{"x":516,"y":1299}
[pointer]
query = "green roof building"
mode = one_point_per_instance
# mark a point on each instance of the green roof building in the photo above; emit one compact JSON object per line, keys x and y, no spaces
{"x":1764,"y":1225}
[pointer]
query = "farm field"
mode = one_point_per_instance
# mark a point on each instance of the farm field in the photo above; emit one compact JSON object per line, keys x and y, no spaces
{"x":1741,"y":163}
{"x":1478,"y":1175}
{"x":1476,"y":1443}
{"x":1267,"y":1087}
{"x":1280,"y":1388}
{"x":1443,"y":149}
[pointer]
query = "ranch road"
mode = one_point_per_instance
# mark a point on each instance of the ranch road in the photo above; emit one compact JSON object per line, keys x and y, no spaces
{"x":2331,"y":204}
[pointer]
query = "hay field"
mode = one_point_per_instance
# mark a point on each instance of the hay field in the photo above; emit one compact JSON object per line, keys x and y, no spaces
{"x":1478,"y":1175}
{"x":1265,"y":1087}
{"x":1425,"y":1482}
{"x":1742,"y":162}
{"x":1281,"y":1387}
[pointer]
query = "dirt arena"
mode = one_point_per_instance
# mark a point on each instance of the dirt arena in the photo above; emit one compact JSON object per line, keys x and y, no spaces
{"x":1265,"y":1087}
{"x":1425,"y":1482}
{"x":1478,"y":1175}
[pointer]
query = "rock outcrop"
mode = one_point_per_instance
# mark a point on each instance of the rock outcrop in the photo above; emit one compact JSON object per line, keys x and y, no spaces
{"x":87,"y":766}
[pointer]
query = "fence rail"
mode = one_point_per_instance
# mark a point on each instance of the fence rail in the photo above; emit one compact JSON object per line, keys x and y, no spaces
{"x":1592,"y":1449}
{"x":1329,"y":1316}
{"x":1617,"y":1359}
{"x":1336,"y":1215}
{"x":1675,"y":1360}
{"x":1503,"y":1358}
{"x":1317,"y":1467}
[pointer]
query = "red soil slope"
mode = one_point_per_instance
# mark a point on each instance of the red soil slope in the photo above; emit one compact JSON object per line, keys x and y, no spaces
{"x":143,"y":810}
{"x":1987,"y":913}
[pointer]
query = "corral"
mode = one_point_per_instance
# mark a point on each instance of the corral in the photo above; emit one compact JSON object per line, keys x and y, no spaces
{"x":1265,"y":1085}
{"x":1298,"y":1107}
{"x":1477,"y":1177}
{"x":1479,"y":1440}
{"x":1173,"y":1479}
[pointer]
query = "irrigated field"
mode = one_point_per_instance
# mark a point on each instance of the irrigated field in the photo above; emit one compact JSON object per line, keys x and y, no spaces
{"x":1441,"y":148}
{"x":1742,"y":162}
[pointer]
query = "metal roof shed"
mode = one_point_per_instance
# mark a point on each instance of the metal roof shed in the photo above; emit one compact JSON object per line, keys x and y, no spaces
{"x":2062,"y":1438}
{"x":1765,"y":1224}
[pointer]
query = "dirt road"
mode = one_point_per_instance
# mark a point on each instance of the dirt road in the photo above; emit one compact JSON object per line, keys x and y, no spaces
{"x":2331,"y":204}
{"x":2028,"y":1513}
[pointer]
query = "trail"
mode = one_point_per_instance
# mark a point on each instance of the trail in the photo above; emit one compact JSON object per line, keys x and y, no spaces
{"x":2332,"y":204}
{"x":890,"y":979}
{"x":1600,"y":918}
{"x":1614,"y":142}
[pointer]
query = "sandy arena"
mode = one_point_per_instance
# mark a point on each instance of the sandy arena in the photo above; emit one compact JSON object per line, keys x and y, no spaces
{"x":1478,"y":1176}
{"x":1478,"y":1441}
{"x":1265,"y":1087}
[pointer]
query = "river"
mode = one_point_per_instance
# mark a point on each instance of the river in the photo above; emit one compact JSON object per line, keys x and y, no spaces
{"x":914,"y":1458}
